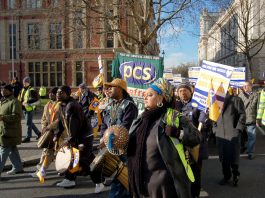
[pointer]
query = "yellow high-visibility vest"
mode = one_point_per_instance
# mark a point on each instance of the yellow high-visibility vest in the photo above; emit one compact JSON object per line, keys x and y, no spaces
{"x":42,"y":91}
{"x":171,"y":113}
{"x":26,"y":98}
{"x":261,"y":108}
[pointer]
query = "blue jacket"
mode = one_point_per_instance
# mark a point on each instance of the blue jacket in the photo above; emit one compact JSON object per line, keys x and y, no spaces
{"x":126,"y":113}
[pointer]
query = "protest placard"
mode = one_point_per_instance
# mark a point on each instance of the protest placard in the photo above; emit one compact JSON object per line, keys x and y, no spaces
{"x":238,"y":77}
{"x":193,"y":73}
{"x":211,"y":88}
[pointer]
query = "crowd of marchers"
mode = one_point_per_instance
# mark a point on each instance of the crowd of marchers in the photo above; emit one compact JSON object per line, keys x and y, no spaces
{"x":167,"y":143}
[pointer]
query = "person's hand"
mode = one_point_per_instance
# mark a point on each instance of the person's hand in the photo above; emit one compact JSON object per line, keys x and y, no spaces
{"x":101,"y":144}
{"x":258,"y":123}
{"x":47,"y":128}
{"x":25,"y":104}
{"x":55,"y":139}
{"x":81,"y":147}
{"x":203,"y":116}
{"x":65,"y":143}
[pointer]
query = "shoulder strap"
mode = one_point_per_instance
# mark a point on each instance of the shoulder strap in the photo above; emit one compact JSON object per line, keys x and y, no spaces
{"x":180,"y":149}
{"x":65,"y":124}
{"x":172,"y":118}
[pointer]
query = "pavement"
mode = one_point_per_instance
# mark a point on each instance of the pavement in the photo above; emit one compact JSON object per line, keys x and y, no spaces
{"x":29,"y":152}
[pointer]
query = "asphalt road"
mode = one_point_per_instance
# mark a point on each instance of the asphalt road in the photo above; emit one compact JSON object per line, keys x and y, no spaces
{"x":24,"y":186}
{"x":251,"y":183}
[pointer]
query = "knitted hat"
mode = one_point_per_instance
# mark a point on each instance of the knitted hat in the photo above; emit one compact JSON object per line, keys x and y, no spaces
{"x":53,"y":90}
{"x":185,"y":85}
{"x":82,"y":86}
{"x":99,"y":88}
{"x":164,"y":88}
{"x":8,"y":87}
{"x":26,"y":79}
{"x":66,"y":89}
{"x":117,"y":82}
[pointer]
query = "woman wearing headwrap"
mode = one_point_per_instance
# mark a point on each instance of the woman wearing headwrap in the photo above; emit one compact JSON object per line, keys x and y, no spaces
{"x":155,"y":165}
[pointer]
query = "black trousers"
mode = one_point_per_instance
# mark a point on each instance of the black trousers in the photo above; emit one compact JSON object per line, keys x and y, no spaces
{"x":196,"y":185}
{"x":70,"y":176}
{"x":229,"y":169}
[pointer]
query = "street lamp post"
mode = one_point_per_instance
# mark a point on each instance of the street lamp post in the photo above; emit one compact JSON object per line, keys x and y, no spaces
{"x":12,"y":43}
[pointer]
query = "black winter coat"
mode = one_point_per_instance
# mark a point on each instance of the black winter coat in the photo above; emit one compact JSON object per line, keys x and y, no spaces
{"x":170,"y":156}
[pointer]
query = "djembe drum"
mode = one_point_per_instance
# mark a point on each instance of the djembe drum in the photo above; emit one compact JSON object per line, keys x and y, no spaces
{"x":107,"y":161}
{"x":67,"y":159}
{"x":110,"y":166}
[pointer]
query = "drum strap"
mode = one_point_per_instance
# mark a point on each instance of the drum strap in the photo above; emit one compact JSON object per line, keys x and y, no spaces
{"x":65,"y":124}
{"x":53,"y":110}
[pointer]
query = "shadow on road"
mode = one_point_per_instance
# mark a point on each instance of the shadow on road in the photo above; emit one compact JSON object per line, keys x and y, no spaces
{"x":102,"y":194}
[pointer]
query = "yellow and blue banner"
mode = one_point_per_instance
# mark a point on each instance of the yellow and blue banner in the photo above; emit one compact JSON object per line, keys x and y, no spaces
{"x":96,"y":120}
{"x":168,"y":75}
{"x":98,"y":80}
{"x":193,"y":73}
{"x":211,"y":87}
{"x":238,"y":77}
{"x":237,"y":80}
{"x":213,"y":100}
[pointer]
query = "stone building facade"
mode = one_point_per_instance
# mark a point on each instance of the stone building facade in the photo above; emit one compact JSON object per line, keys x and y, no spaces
{"x":34,"y":43}
{"x":217,"y":46}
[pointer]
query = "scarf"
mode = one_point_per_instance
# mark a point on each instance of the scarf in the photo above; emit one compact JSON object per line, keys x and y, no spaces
{"x":136,"y":149}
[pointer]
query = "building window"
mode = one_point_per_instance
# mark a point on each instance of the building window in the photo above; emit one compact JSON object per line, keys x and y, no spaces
{"x":10,"y":76}
{"x":109,"y":70}
{"x":48,"y":74}
{"x":110,"y":42}
{"x":109,"y":35}
{"x":45,"y":74}
{"x":78,"y":33}
{"x":34,"y":3}
{"x":55,"y":36}
{"x":11,"y":4}
{"x":34,"y":36}
{"x":54,"y":3}
{"x":79,"y":73}
{"x":12,"y":40}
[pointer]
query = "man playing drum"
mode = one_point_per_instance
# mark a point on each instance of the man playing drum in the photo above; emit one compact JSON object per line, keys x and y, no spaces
{"x":49,"y":123}
{"x":72,"y":119}
{"x":120,"y":111}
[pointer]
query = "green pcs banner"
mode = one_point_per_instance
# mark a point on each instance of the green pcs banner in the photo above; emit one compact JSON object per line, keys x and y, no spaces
{"x":139,"y":71}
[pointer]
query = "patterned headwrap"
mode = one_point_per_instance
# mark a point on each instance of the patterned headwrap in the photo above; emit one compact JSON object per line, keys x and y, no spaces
{"x":164,"y":88}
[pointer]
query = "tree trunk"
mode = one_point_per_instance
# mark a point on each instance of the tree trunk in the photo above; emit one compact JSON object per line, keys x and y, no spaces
{"x":249,"y":69}
{"x":139,"y":48}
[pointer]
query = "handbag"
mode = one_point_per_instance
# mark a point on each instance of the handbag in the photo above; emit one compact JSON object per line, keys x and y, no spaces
{"x":46,"y":140}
